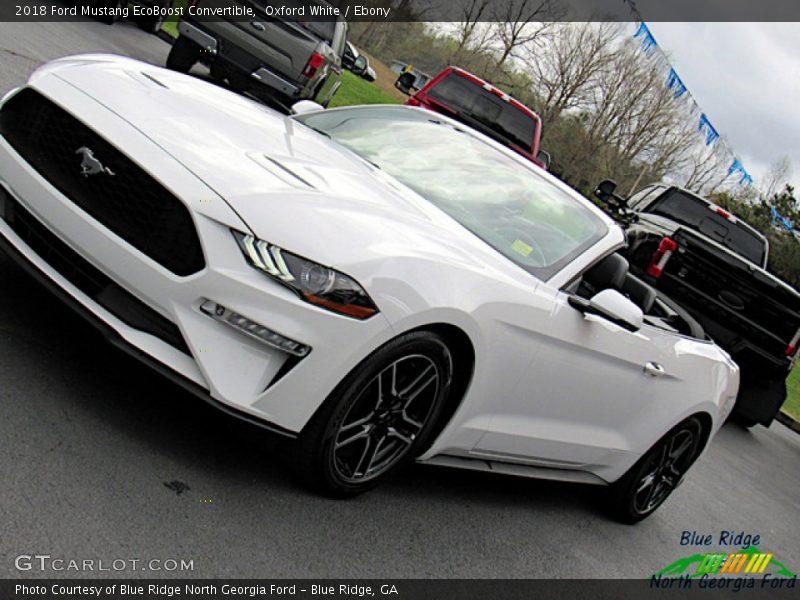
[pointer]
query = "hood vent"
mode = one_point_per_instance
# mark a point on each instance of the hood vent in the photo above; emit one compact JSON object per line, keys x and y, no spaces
{"x":286,"y":169}
{"x":283,"y":172}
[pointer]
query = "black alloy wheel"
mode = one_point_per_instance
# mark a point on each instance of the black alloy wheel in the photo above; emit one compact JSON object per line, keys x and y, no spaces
{"x":378,"y":417}
{"x":656,"y":475}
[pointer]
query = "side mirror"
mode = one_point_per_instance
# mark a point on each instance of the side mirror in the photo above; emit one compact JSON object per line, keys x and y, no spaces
{"x":613,"y":306}
{"x":360,"y":64}
{"x":305,"y":106}
{"x":618,"y":205}
{"x":405,"y":82}
{"x":605,"y":190}
{"x":544,"y":158}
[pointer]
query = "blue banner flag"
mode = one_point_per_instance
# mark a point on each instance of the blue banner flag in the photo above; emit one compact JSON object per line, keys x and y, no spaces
{"x":779,"y":218}
{"x":674,"y":83}
{"x":707,"y":128}
{"x":648,"y":41}
{"x":736,"y":167}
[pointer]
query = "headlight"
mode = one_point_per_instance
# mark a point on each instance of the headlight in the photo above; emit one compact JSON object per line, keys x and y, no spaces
{"x":313,"y":282}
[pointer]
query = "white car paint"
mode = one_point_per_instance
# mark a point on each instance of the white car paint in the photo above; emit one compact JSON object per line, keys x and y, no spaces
{"x":554,"y":393}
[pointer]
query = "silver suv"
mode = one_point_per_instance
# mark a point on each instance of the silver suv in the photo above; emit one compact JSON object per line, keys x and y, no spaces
{"x":280,"y":57}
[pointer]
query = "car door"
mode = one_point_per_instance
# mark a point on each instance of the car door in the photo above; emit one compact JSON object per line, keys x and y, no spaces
{"x":589,"y":383}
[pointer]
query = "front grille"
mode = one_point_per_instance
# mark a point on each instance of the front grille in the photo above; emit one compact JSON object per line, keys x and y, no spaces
{"x":122,"y":196}
{"x":88,"y":279}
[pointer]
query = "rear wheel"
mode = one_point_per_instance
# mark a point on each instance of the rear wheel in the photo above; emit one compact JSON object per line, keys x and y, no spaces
{"x":183,"y":55}
{"x":656,"y":475}
{"x":239,"y":82}
{"x":150,"y":24}
{"x":378,"y":418}
{"x":743,"y":421}
{"x":113,"y":6}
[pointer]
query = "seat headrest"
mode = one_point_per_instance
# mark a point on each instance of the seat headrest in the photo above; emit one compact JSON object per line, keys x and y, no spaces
{"x":608,"y":273}
{"x":640,"y":293}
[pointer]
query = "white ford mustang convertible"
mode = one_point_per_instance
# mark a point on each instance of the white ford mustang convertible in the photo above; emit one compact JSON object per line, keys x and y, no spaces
{"x":379,"y":283}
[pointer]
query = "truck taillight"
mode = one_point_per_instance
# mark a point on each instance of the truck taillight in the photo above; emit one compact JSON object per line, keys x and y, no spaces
{"x":791,"y":349}
{"x":722,"y":212}
{"x":314,"y":63}
{"x":661,"y":256}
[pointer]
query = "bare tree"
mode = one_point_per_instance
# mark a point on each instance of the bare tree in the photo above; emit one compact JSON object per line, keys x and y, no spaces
{"x":521,"y":23}
{"x":623,"y":120}
{"x":777,"y":176}
{"x":566,"y":68}
{"x":469,"y":32}
{"x":636,"y":113}
{"x":707,"y":169}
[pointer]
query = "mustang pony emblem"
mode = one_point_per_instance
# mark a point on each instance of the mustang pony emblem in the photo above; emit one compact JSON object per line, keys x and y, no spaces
{"x":91,"y":165}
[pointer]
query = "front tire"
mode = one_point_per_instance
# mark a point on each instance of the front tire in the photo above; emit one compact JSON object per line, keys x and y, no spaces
{"x":655,"y":476}
{"x":742,"y":421}
{"x":150,"y":24}
{"x":183,"y":55}
{"x":112,"y":5}
{"x":380,"y":416}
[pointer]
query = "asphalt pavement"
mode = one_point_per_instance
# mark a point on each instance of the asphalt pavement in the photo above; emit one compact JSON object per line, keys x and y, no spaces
{"x":102,"y":459}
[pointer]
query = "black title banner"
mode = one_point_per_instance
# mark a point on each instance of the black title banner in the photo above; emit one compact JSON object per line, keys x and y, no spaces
{"x":412,"y":10}
{"x":388,"y":589}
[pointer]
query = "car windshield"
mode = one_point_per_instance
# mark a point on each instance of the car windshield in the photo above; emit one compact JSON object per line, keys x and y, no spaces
{"x":502,"y":200}
{"x":472,"y":101}
{"x":698,"y":215}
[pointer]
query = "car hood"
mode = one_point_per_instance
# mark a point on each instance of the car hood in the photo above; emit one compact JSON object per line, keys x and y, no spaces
{"x":292,"y":186}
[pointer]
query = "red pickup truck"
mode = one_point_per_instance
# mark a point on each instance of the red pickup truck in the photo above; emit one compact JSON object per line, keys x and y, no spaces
{"x":471,"y":100}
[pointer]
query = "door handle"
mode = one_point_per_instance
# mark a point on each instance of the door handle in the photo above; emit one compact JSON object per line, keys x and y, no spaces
{"x":257,"y":25}
{"x":654,"y":369}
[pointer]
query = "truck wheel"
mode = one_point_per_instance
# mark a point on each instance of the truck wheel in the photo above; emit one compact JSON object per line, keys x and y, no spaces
{"x":112,"y":5}
{"x":183,"y":55}
{"x":239,"y":82}
{"x":150,"y":24}
{"x":743,"y":421}
{"x":153,"y":24}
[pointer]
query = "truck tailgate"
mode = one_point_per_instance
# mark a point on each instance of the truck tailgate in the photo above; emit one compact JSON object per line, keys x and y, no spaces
{"x":284,"y":46}
{"x":742,"y":297}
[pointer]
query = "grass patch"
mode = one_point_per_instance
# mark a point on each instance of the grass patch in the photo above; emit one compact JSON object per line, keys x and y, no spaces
{"x":792,"y":404}
{"x":355,"y":90}
{"x":171,"y":23}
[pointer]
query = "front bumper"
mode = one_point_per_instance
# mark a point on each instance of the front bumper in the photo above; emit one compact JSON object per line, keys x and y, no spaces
{"x":218,"y":363}
{"x":113,"y":337}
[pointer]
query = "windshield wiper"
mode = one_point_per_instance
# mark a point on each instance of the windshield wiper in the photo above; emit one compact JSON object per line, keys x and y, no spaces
{"x":320,"y":131}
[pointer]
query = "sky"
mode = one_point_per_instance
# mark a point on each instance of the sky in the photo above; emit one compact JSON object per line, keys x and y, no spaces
{"x":746,"y":78}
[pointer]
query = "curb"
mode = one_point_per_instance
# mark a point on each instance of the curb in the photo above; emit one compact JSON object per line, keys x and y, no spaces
{"x":788,"y":420}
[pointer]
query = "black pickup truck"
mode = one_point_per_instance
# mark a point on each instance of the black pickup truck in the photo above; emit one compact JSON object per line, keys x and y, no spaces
{"x":714,"y":265}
